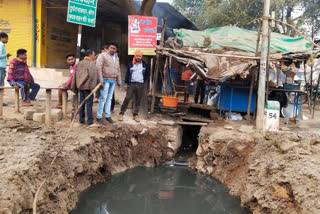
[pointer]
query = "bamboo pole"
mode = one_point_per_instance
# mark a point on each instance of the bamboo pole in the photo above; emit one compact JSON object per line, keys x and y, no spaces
{"x":155,"y":80}
{"x":253,"y":74}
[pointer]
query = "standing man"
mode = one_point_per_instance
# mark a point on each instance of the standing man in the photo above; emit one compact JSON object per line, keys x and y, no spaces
{"x":19,"y":76}
{"x":109,"y":72}
{"x":71,"y":60}
{"x":85,"y":79}
{"x":200,"y":89}
{"x":137,"y":75}
{"x":186,"y":78}
{"x":3,"y":57}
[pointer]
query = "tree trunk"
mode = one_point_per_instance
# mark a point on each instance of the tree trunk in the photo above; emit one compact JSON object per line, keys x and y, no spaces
{"x":145,"y":9}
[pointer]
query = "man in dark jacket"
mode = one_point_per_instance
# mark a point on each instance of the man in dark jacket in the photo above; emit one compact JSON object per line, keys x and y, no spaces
{"x":85,"y":79}
{"x":137,"y":75}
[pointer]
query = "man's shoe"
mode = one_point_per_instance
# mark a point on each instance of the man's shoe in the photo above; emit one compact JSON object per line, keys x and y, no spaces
{"x":109,"y":120}
{"x":136,"y":118}
{"x":100,"y":120}
{"x":120,"y":117}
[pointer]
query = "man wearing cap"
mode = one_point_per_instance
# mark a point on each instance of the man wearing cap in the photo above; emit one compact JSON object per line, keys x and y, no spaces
{"x":137,"y":75}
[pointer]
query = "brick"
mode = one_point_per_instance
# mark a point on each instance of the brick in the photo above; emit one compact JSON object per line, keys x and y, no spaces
{"x":56,"y":114}
{"x":39,"y":117}
{"x":28,"y":114}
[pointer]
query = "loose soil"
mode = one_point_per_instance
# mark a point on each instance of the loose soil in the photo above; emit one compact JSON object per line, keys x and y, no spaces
{"x":272,"y":172}
{"x":27,"y":148}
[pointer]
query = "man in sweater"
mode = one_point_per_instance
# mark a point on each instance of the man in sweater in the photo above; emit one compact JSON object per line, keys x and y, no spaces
{"x":71,"y":60}
{"x":109,"y":73}
{"x":19,"y":76}
{"x":85,"y":79}
{"x":137,"y":75}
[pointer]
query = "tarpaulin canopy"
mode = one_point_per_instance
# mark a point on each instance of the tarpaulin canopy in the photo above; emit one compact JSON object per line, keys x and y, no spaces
{"x":241,"y":39}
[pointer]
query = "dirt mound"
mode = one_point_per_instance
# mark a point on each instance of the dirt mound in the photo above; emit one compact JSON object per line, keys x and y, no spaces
{"x":26,"y":150}
{"x":272,"y":173}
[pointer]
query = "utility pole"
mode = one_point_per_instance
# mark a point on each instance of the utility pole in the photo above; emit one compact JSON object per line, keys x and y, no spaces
{"x":263,"y":66}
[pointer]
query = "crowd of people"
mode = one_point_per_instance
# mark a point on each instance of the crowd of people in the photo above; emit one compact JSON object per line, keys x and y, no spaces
{"x":103,"y":69}
{"x":85,"y":76}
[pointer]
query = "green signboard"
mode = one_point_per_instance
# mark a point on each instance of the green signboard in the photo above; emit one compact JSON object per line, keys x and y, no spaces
{"x":82,"y":12}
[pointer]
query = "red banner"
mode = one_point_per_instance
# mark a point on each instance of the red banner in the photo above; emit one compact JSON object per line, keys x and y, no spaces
{"x":142,"y":32}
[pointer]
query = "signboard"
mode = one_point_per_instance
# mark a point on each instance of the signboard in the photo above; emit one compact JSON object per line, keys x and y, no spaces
{"x":82,"y":12}
{"x":142,"y":34}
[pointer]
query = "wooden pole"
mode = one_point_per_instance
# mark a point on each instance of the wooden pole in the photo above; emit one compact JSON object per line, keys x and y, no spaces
{"x":315,"y":97}
{"x":253,"y":78}
{"x":155,"y":80}
{"x":1,"y":101}
{"x":79,"y":43}
{"x":48,"y":107}
{"x":64,"y":103}
{"x":263,"y":65}
{"x":268,"y":61}
{"x":75,"y":102}
{"x":16,"y":100}
{"x":306,"y":84}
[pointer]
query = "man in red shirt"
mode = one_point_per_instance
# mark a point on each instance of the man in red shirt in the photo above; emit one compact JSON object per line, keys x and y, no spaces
{"x":186,"y":78}
{"x":71,"y":60}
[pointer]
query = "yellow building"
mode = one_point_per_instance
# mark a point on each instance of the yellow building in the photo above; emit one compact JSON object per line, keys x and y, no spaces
{"x":54,"y":37}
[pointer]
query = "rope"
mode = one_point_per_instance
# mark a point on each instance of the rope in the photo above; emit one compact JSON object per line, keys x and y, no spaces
{"x":60,"y":150}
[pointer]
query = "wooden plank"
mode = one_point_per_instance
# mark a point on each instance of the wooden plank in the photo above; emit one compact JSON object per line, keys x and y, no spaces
{"x":51,"y":88}
{"x":6,"y":87}
{"x":64,"y":103}
{"x":192,"y":123}
{"x":202,"y":106}
{"x":48,"y":107}
{"x":16,"y":101}
{"x":1,"y":101}
{"x":196,"y":119}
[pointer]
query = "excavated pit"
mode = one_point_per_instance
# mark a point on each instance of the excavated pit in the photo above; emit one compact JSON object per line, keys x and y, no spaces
{"x":26,"y":150}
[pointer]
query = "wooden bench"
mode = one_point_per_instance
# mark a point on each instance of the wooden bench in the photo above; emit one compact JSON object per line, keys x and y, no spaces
{"x":16,"y":100}
{"x":64,"y":102}
{"x":48,"y":102}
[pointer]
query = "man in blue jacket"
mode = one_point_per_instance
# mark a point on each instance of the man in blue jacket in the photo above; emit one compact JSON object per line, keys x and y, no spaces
{"x":137,"y":75}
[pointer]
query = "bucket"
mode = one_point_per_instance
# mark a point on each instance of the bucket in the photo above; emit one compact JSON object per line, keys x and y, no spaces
{"x":170,"y":101}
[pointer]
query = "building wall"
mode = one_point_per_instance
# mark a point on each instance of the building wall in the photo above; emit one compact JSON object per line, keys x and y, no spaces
{"x":61,"y":38}
{"x":16,"y":20}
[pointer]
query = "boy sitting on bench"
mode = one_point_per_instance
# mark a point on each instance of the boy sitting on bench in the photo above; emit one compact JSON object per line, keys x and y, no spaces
{"x":19,"y":76}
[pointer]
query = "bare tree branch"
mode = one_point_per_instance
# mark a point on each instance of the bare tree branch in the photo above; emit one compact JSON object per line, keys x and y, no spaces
{"x":146,"y":7}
